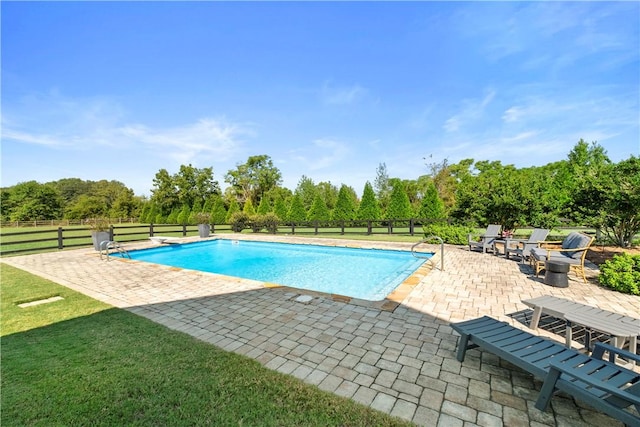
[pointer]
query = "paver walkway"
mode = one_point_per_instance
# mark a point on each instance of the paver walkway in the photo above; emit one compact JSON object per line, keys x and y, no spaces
{"x":401,"y":362}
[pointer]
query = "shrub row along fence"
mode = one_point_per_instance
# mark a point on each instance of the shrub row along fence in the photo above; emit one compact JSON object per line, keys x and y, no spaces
{"x":72,"y":236}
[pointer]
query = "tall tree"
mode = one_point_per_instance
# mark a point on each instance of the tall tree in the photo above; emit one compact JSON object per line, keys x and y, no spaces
{"x":369,"y":208}
{"x":86,"y":207}
{"x":611,"y":200}
{"x":319,"y":210}
{"x":72,"y":188}
{"x":280,"y":208}
{"x":345,"y":207}
{"x":34,"y":201}
{"x":186,"y":187}
{"x":399,"y":205}
{"x":248,"y":207}
{"x":432,"y":207}
{"x":183,"y":216}
{"x":194,"y":184}
{"x":382,"y":186}
{"x":306,"y":189}
{"x":297,"y":212}
{"x":329,"y":193}
{"x":125,"y":205}
{"x":254,"y":178}
{"x":586,"y":163}
{"x":497,"y":194}
{"x":218,"y":212}
{"x":265,"y":205}
{"x":233,"y":208}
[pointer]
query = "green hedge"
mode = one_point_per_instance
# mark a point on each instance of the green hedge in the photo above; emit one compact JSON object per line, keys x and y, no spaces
{"x":622,"y":273}
{"x":452,"y":234}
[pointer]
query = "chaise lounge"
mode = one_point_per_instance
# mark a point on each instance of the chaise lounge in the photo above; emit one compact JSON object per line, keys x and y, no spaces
{"x":602,"y":384}
{"x":572,"y":250}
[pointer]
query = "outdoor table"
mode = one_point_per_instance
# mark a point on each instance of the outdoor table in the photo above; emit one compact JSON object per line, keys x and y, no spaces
{"x":618,"y":326}
{"x":620,"y":329}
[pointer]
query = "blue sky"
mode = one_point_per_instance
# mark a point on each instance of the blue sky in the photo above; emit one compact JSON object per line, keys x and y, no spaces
{"x":330,"y":90}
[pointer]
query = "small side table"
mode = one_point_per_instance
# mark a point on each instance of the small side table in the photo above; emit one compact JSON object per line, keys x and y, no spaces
{"x":556,"y":273}
{"x":499,"y":242}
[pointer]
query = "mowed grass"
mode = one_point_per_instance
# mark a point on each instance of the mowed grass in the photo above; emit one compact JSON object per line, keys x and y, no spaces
{"x":78,"y":361}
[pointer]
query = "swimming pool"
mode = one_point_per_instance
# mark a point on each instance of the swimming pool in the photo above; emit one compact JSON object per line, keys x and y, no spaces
{"x":369,"y":274}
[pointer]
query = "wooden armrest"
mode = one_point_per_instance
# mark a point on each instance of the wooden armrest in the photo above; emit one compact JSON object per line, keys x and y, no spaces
{"x":594,"y":382}
{"x":569,"y":249}
{"x":601,"y":347}
{"x":549,"y":243}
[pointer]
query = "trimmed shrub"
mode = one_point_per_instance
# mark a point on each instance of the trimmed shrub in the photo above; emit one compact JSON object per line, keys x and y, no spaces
{"x":255,"y":222}
{"x":239,"y":221}
{"x":452,"y":234}
{"x":621,"y":273}
{"x":271,"y":222}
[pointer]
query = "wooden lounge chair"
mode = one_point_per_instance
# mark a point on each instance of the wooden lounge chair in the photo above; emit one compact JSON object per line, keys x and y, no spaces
{"x":602,"y":384}
{"x":572,"y":250}
{"x":484,"y":242}
{"x":522,"y":247}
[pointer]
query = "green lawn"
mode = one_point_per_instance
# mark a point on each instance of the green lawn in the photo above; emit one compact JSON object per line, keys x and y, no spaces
{"x":80,"y":362}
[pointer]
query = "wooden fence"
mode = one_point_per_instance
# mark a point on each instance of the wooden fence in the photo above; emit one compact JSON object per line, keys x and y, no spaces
{"x":73,"y":236}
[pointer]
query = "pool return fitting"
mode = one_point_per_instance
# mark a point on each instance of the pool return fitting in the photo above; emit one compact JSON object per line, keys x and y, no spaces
{"x":429,"y":258}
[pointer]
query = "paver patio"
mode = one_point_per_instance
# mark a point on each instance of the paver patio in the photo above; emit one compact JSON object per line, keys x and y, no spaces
{"x":401,"y":362}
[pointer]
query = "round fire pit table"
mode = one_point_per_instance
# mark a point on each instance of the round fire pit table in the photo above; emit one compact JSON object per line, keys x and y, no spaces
{"x":556,"y":274}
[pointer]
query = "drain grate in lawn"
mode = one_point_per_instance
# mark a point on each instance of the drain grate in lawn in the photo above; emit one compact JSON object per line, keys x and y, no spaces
{"x":40,"y":301}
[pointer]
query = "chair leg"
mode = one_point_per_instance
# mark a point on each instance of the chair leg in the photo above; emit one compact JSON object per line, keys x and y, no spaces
{"x":547,"y":390}
{"x":462,"y":347}
{"x":579,"y":270}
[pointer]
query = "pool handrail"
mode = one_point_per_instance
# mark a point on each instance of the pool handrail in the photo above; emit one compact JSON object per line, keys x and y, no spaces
{"x":426,"y":239}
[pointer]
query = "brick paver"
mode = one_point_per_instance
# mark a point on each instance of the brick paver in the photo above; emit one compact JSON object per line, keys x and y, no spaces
{"x":396,"y":358}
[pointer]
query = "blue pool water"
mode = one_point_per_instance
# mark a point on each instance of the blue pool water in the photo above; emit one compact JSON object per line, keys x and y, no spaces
{"x":369,"y":274}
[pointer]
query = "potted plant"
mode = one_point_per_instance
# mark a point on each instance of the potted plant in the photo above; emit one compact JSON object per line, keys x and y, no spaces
{"x":204,"y":228}
{"x":99,"y":231}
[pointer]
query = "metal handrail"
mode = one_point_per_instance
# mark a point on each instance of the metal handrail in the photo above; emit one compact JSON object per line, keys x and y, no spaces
{"x":110,"y":244}
{"x":426,"y":239}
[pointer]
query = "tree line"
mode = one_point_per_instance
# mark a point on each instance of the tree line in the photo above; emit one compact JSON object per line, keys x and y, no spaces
{"x":586,"y":188}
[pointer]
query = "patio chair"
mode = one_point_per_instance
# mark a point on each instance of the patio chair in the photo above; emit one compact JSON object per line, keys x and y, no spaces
{"x":522,"y":247}
{"x":484,"y":242}
{"x":573,"y":251}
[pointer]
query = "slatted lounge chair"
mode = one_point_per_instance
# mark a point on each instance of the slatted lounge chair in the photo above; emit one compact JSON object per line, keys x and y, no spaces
{"x":600,"y":383}
{"x":522,"y":247}
{"x":572,"y":250}
{"x":484,"y":242}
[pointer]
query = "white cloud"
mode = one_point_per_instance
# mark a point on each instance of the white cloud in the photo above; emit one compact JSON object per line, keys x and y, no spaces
{"x":512,"y":114}
{"x":207,"y":137}
{"x":80,"y":124}
{"x":322,"y":154}
{"x":471,"y":111}
{"x":341,"y":95}
{"x":36,"y":139}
